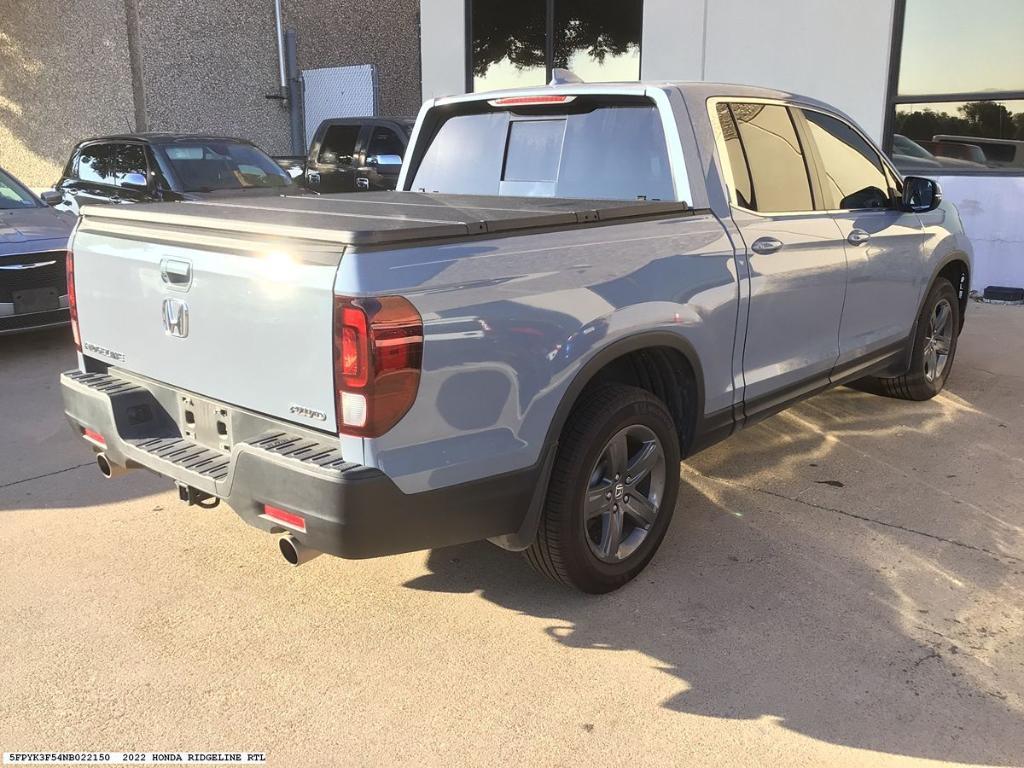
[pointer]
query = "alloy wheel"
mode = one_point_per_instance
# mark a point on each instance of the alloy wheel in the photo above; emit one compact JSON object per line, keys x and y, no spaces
{"x":939,"y":341}
{"x":624,"y":494}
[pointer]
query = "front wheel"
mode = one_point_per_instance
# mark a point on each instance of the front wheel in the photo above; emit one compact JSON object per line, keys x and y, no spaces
{"x":612,"y":491}
{"x":938,"y":327}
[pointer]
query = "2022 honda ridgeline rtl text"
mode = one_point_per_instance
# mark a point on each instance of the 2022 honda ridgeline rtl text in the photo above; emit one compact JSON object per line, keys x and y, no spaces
{"x":574,"y":288}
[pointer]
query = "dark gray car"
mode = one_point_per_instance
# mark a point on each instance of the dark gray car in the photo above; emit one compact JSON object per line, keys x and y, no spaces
{"x":33,"y":249}
{"x":168,"y":167}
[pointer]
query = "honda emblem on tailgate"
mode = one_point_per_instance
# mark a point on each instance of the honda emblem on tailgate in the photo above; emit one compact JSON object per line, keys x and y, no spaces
{"x":176,"y":318}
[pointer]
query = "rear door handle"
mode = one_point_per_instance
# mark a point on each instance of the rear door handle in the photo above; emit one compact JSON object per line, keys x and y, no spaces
{"x":765,"y":245}
{"x":857,"y":237}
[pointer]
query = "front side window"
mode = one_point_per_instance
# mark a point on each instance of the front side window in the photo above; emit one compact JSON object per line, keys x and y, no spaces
{"x":767,"y":163}
{"x":13,"y":195}
{"x":599,"y":40}
{"x":206,"y":166}
{"x":111,"y":164}
{"x":854,"y":176}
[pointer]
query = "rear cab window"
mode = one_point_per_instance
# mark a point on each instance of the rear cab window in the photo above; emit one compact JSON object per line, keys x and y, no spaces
{"x":595,"y":147}
{"x":384,"y":141}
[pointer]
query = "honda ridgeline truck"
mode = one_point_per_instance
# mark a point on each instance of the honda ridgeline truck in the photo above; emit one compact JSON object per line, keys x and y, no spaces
{"x":574,"y":287}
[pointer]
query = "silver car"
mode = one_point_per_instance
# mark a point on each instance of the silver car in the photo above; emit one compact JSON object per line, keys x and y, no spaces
{"x":572,"y":288}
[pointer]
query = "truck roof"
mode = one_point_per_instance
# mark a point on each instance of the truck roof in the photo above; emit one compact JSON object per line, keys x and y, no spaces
{"x":691,"y":89}
{"x":380,"y":218}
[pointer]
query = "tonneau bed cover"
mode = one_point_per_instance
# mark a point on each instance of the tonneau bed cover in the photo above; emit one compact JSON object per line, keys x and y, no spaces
{"x":380,"y":218}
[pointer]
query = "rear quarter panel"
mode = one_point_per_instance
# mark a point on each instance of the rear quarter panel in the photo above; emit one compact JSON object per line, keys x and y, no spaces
{"x":510,"y":321}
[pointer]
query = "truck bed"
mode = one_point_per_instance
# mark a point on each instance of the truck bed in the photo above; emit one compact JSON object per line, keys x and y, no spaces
{"x":382,"y":218}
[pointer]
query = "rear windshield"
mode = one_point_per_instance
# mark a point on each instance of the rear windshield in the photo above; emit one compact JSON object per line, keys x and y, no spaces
{"x":609,"y":152}
{"x":13,"y":195}
{"x":206,"y":166}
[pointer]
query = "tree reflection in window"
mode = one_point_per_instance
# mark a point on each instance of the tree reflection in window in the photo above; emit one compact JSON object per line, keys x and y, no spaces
{"x":598,"y":39}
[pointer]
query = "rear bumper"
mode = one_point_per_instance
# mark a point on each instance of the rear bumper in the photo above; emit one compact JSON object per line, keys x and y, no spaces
{"x":349,"y":510}
{"x":11,"y":323}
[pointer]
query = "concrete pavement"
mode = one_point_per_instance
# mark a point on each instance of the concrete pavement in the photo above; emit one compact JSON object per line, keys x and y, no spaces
{"x":842,"y":584}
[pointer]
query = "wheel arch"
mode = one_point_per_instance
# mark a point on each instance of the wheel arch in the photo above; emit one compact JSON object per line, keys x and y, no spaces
{"x":956,"y":268}
{"x":652,"y":352}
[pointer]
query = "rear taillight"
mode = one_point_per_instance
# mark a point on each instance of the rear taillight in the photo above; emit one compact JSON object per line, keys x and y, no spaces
{"x":378,"y":353}
{"x":69,"y":262}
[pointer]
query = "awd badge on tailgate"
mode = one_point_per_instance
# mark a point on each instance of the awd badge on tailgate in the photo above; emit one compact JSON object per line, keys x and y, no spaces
{"x":176,"y":318}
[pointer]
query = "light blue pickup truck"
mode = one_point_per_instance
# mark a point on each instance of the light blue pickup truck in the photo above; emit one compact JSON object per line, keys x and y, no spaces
{"x":574,"y":288}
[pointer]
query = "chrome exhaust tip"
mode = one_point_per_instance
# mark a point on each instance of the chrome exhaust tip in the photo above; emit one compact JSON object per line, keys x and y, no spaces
{"x":294,"y":553}
{"x":108,"y":468}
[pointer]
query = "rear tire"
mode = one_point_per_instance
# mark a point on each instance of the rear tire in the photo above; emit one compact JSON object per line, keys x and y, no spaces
{"x":938,"y":327}
{"x":612,"y":491}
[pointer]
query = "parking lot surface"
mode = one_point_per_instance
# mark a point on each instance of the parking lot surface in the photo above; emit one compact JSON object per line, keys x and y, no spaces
{"x":842,"y":584}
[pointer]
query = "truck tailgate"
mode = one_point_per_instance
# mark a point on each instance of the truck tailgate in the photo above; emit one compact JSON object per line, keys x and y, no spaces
{"x":243,"y":322}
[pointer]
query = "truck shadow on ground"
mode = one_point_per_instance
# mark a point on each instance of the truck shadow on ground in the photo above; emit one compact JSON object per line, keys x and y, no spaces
{"x":42,"y":464}
{"x":767,"y":604}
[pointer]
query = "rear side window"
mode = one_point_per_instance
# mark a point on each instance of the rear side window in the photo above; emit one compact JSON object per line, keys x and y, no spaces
{"x":339,"y":144}
{"x":768,"y":164}
{"x":854,"y":174}
{"x":111,"y":163}
{"x":609,"y":151}
{"x":742,"y":185}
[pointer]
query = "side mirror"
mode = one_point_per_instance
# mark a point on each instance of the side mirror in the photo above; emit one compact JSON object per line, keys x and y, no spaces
{"x":329,"y":158}
{"x":920,"y":195}
{"x":136,"y":181}
{"x":384,"y":161}
{"x":52,"y":197}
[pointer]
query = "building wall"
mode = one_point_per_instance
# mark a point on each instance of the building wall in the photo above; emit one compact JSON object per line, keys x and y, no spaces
{"x":990,"y":208}
{"x":334,"y":33}
{"x":443,"y":47}
{"x":832,"y":50}
{"x":207,"y":67}
{"x":106,"y":66}
{"x":52,"y":92}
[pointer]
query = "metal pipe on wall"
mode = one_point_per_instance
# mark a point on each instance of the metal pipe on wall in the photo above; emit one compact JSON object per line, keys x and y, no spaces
{"x":280,"y":46}
{"x":298,"y":133}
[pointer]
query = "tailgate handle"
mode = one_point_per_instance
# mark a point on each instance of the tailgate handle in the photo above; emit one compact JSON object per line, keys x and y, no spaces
{"x":176,"y":273}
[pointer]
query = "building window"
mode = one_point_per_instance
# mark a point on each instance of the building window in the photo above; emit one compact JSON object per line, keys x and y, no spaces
{"x":963,"y":113}
{"x":515,"y":45}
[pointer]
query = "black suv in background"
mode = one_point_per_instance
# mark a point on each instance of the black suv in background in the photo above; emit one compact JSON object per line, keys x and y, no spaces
{"x":144,"y":167}
{"x":355,"y":154}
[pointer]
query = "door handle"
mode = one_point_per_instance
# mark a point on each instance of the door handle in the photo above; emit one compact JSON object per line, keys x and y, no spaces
{"x":362,"y":182}
{"x":176,"y":273}
{"x":857,"y":237}
{"x":765,"y":245}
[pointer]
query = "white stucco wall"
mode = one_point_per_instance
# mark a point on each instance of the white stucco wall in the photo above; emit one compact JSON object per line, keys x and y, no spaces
{"x":442,"y":47}
{"x":833,"y":50}
{"x":672,"y":47}
{"x":990,"y":207}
